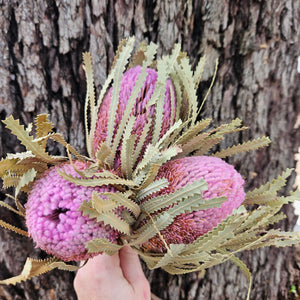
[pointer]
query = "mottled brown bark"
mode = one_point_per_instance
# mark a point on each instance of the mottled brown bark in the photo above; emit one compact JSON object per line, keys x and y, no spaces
{"x":257,"y":42}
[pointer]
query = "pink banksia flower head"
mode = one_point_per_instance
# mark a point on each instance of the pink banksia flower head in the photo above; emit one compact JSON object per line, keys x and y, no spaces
{"x":53,"y":219}
{"x":143,"y":115}
{"x":222,"y":180}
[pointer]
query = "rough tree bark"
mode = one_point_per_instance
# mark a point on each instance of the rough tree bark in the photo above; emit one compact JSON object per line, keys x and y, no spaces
{"x":257,"y":42}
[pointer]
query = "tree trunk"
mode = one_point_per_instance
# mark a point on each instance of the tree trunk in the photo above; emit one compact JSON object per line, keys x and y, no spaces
{"x":257,"y":42}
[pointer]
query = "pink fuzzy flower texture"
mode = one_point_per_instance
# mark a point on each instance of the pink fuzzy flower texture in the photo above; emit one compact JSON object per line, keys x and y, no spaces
{"x":142,"y":115}
{"x":53,"y":219}
{"x":222,"y":180}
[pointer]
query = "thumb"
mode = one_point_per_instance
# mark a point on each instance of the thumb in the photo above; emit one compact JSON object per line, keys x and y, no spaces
{"x":130,"y":265}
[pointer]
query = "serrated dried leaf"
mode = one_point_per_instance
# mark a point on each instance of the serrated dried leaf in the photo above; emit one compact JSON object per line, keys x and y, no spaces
{"x":164,"y":67}
{"x":13,"y":228}
{"x":26,"y":178}
{"x":192,"y":145}
{"x":207,"y":144}
{"x":149,"y":258}
{"x":123,"y":43}
{"x":147,"y":176}
{"x":102,"y":204}
{"x":27,"y":140}
{"x":179,"y":98}
{"x":43,"y":127}
{"x":124,"y":200}
{"x":139,"y":56}
{"x":96,"y":181}
{"x":127,"y":150}
{"x":233,"y":126}
{"x":57,"y":137}
{"x":239,"y":239}
{"x":166,"y":155}
{"x":102,"y":154}
{"x":4,"y":204}
{"x":110,"y":77}
{"x":90,"y":101}
{"x":168,"y":136}
{"x":185,"y":74}
{"x":193,"y":131}
{"x":19,"y":206}
{"x":114,"y":221}
{"x":270,"y":188}
{"x":93,"y":171}
{"x":102,"y":245}
{"x":21,"y":156}
{"x":120,"y":67}
{"x":215,"y":259}
{"x":63,"y":266}
{"x":153,"y":187}
{"x":170,"y":256}
{"x":149,"y":155}
{"x":272,"y":237}
{"x":88,"y":210}
{"x":173,"y":103}
{"x":34,"y":267}
{"x":256,"y":219}
{"x":218,"y":235}
{"x":25,"y":162}
{"x":194,"y":203}
{"x":7,"y":164}
{"x":193,"y":258}
{"x":127,"y":217}
{"x":199,"y":71}
{"x":151,"y":228}
{"x":244,"y":147}
{"x":161,"y":202}
{"x":212,"y":260}
{"x":165,"y":218}
{"x":10,"y":181}
{"x":141,"y":142}
{"x":158,"y":93}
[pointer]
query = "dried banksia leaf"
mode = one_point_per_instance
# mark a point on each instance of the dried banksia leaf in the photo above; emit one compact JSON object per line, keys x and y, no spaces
{"x":247,"y":146}
{"x":103,"y":245}
{"x":268,"y":191}
{"x":27,"y":140}
{"x":43,"y":127}
{"x":13,"y":228}
{"x":35,"y":267}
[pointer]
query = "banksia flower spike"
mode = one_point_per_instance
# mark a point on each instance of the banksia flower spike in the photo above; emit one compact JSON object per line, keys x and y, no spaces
{"x":142,"y":112}
{"x":53,"y":219}
{"x":222,"y":181}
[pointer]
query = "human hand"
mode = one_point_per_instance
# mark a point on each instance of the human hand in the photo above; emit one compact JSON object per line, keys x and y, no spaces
{"x":114,"y":277}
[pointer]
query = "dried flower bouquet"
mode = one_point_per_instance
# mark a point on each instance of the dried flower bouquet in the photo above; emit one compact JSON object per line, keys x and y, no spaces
{"x":151,"y":179}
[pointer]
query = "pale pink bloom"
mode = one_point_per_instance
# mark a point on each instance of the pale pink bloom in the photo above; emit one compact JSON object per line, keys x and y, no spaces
{"x":53,"y":219}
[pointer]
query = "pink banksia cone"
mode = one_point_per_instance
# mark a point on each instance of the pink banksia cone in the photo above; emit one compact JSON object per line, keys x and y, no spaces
{"x":222,"y":180}
{"x":143,"y":115}
{"x":53,"y":219}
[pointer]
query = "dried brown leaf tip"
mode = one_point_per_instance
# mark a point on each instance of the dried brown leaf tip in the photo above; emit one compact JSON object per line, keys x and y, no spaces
{"x":151,"y":180}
